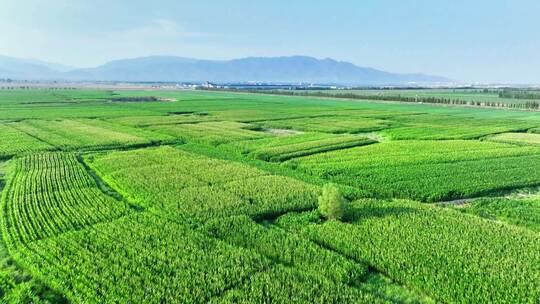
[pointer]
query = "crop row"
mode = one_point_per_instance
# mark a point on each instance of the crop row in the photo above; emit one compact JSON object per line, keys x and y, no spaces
{"x":194,"y":185}
{"x":51,"y":193}
{"x":453,"y":257}
{"x":140,"y":258}
{"x":284,"y":148}
{"x":13,"y":142}
{"x":517,"y":138}
{"x":329,"y":124}
{"x":288,"y":285}
{"x":428,"y":170}
{"x":145,"y":121}
{"x":431,"y":127}
{"x":430,"y":97}
{"x":73,"y":134}
{"x":524,"y":212}
{"x":90,"y":248}
{"x":131,"y":260}
{"x":286,"y":248}
{"x":209,"y":132}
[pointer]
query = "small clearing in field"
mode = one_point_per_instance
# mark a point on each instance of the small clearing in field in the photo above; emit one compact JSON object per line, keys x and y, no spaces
{"x":283,"y":132}
{"x":372,"y":135}
{"x":525,"y":193}
{"x":141,"y":99}
{"x":459,"y":203}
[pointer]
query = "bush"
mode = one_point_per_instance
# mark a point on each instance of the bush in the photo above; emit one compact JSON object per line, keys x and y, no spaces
{"x":332,"y":205}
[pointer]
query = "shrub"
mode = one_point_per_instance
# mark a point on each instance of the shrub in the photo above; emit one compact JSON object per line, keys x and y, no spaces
{"x":332,"y":205}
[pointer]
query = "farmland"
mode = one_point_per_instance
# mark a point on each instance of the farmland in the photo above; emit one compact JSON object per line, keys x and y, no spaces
{"x":495,"y":98}
{"x":155,"y":196}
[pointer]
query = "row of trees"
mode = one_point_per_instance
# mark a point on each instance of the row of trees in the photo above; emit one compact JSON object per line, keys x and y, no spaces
{"x":529,"y":105}
{"x":519,"y":94}
{"x":22,"y":87}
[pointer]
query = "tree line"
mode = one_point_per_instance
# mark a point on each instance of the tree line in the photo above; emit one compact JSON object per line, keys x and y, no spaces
{"x":529,"y":105}
{"x":519,"y":94}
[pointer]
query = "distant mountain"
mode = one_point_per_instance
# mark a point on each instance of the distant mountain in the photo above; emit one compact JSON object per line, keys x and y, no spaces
{"x":292,"y":69}
{"x":16,"y":68}
{"x":53,"y":66}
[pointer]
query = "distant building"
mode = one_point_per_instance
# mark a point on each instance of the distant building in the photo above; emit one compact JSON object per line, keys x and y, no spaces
{"x":208,"y":85}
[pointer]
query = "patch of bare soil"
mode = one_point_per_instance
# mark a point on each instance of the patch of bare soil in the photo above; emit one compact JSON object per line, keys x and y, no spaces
{"x":529,"y":193}
{"x":372,"y":135}
{"x":459,"y":203}
{"x":167,"y":99}
{"x":283,"y":132}
{"x":141,"y":99}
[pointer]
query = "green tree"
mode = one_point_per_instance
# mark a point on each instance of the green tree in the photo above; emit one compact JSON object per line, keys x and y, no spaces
{"x":332,"y":205}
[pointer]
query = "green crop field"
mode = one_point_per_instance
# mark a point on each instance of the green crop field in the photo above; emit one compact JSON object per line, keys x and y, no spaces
{"x":500,"y":98}
{"x":195,"y":196}
{"x":517,"y":138}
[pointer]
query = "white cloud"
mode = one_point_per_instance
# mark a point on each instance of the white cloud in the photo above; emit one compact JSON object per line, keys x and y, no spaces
{"x":159,"y":36}
{"x":157,"y":29}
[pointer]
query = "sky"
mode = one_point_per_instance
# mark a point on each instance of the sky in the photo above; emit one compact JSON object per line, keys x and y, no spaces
{"x":475,"y":41}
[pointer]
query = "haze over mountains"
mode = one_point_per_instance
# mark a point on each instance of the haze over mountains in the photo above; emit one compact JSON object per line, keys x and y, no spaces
{"x":293,"y":69}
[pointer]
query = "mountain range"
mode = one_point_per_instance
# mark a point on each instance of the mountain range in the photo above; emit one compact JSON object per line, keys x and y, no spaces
{"x":292,"y":69}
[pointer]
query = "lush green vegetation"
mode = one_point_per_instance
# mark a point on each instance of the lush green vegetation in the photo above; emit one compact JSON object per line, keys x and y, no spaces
{"x":331,"y":124}
{"x":51,"y":193}
{"x":428,"y":170}
{"x":85,"y":133}
{"x":520,"y":94}
{"x":453,"y":257}
{"x":164,"y":178}
{"x":515,"y":99}
{"x":13,"y":142}
{"x":332,"y":204}
{"x":211,"y":132}
{"x":447,"y":127}
{"x":281,"y":148}
{"x":524,"y":212}
{"x":220,"y":197}
{"x":517,"y":138}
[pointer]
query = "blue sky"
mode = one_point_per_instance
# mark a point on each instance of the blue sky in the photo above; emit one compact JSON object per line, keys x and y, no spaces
{"x":485,"y":41}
